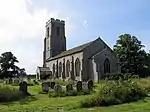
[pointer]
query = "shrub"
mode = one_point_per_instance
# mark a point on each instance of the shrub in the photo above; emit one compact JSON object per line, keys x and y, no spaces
{"x":117,"y":76}
{"x":115,"y":92}
{"x":71,"y":93}
{"x":36,"y":82}
{"x":61,"y":82}
{"x":8,"y":93}
{"x":144,"y":83}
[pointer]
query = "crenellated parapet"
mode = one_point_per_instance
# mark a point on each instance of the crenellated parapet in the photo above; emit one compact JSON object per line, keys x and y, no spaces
{"x":52,"y":20}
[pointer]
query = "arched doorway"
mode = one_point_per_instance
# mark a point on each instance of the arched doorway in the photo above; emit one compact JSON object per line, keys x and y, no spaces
{"x":59,"y":69}
{"x":67,"y":68}
{"x":106,"y":66}
{"x":77,"y":67}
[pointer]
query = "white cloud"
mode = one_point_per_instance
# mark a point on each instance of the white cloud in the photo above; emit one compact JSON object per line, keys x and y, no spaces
{"x":85,"y":24}
{"x":22,"y":31}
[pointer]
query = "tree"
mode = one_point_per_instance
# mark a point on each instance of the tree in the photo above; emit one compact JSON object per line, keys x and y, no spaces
{"x":8,"y":67}
{"x":21,"y":72}
{"x":146,"y":70}
{"x":130,"y":54}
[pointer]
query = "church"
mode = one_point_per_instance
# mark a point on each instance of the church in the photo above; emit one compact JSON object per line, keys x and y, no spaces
{"x":91,"y":60}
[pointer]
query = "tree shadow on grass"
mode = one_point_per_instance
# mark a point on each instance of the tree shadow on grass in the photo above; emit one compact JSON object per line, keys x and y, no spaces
{"x":25,"y":100}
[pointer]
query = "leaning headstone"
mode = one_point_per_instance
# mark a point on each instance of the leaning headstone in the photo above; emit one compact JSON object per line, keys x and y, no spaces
{"x":23,"y":87}
{"x":79,"y":86}
{"x":90,"y":85}
{"x":45,"y":87}
{"x":69,"y":88}
{"x":57,"y":89}
{"x":52,"y":84}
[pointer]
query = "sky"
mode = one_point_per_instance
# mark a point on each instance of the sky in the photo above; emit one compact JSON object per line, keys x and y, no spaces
{"x":22,"y":24}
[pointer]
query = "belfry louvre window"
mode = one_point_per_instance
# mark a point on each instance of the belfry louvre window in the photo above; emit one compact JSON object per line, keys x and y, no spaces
{"x":58,"y":31}
{"x":48,"y":32}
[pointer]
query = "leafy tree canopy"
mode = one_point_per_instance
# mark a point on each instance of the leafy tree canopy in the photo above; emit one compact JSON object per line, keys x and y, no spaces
{"x":130,"y":53}
{"x":7,"y":62}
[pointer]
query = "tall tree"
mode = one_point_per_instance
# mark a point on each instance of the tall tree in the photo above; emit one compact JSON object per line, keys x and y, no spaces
{"x":130,"y":53}
{"x":7,"y":62}
{"x":146,"y":70}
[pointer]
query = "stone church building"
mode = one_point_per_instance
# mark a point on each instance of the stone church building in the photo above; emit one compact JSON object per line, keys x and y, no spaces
{"x":91,"y":60}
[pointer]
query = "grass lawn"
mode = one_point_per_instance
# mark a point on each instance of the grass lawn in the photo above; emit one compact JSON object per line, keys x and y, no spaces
{"x":42,"y":103}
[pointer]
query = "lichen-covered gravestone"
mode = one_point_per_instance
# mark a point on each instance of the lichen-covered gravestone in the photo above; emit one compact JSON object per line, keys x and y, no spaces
{"x":69,"y":87}
{"x":45,"y":87}
{"x":79,"y":86}
{"x":84,"y":86}
{"x":57,"y":89}
{"x":90,"y":85}
{"x":23,"y":87}
{"x":52,"y":84}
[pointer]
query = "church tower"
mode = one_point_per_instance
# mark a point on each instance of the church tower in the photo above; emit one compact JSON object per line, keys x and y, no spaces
{"x":55,"y":40}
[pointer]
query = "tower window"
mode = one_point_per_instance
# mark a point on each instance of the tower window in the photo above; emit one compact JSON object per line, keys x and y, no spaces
{"x":48,"y":32}
{"x":58,"y":31}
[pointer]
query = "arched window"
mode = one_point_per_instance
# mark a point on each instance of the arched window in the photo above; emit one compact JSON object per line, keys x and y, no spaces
{"x":59,"y":69}
{"x":67,"y":68}
{"x":53,"y":69}
{"x":106,"y":66}
{"x":77,"y":67}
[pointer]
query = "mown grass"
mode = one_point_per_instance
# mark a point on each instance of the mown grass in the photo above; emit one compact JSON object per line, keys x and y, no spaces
{"x":42,"y":103}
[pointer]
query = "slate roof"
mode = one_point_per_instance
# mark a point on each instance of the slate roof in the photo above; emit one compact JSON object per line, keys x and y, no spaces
{"x":70,"y":51}
{"x":44,"y":69}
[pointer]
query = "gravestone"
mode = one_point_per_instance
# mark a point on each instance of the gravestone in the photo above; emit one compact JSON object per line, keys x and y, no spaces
{"x":79,"y":86}
{"x":84,"y":85}
{"x":69,"y":87}
{"x":45,"y":87}
{"x":16,"y":81}
{"x":23,"y":87}
{"x":52,"y":84}
{"x":29,"y":79}
{"x":10,"y":80}
{"x":90,"y":85}
{"x":57,"y":89}
{"x":6,"y":81}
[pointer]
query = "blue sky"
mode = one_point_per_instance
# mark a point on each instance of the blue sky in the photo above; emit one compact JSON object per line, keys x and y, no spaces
{"x":105,"y":18}
{"x":22,"y":25}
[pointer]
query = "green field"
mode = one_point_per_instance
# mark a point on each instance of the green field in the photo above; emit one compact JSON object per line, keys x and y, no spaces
{"x":42,"y":103}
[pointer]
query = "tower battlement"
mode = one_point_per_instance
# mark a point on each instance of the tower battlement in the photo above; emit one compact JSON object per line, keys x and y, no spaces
{"x":52,"y":20}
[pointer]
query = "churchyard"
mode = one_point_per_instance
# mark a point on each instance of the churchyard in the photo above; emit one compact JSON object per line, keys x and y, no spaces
{"x":74,"y":96}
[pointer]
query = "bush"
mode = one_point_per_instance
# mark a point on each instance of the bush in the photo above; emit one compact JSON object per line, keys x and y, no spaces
{"x":117,"y":76}
{"x":9,"y":94}
{"x":115,"y":92}
{"x":71,"y":93}
{"x":61,"y":82}
{"x":144,"y":83}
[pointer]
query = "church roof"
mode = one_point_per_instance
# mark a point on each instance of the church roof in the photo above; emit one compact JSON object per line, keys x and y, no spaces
{"x":71,"y":51}
{"x":44,"y":68}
